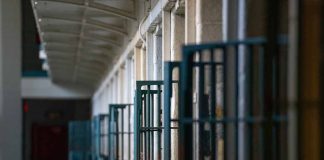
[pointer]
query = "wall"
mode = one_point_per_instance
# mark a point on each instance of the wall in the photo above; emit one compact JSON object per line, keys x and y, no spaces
{"x":46,"y":89}
{"x":10,"y":71}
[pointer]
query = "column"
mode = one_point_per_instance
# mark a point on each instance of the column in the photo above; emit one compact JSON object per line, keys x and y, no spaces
{"x":190,"y":21}
{"x":177,"y":40}
{"x":143,"y":62}
{"x":209,"y":29}
{"x":166,"y":35}
{"x":137,"y":63}
{"x":10,"y":77}
{"x":157,"y":56}
{"x":149,"y":55}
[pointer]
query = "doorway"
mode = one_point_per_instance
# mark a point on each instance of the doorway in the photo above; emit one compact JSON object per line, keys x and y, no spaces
{"x":49,"y":142}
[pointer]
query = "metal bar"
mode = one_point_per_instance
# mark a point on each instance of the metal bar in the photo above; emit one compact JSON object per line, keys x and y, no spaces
{"x":225,"y":100}
{"x":152,"y":125}
{"x":250,"y":99}
{"x":129,"y":134}
{"x":137,"y":114}
{"x":122,"y":134}
{"x":203,"y":110}
{"x":166,"y":109}
{"x":212,"y":105}
{"x":185,"y":109}
{"x":236,"y":100}
{"x":159,"y":123}
{"x":261,"y":98}
{"x":271,"y":51}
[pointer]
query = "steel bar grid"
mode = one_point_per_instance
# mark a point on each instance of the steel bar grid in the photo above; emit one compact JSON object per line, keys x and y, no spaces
{"x":148,"y":120}
{"x":99,"y":135}
{"x":116,"y":131}
{"x":216,"y":119}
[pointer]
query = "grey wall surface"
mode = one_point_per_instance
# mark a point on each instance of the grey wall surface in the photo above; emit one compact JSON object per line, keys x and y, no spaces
{"x":10,"y":71}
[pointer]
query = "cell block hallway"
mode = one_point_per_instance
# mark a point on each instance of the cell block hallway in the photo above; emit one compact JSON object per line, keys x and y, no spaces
{"x":161,"y":79}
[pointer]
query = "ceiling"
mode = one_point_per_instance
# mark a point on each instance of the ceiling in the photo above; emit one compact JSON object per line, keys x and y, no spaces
{"x":82,"y":37}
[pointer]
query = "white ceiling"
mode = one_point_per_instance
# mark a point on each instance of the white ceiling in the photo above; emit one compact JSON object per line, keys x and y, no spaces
{"x":81,"y":37}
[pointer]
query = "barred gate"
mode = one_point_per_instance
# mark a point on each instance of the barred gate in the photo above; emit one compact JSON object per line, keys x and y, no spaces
{"x":79,"y":140}
{"x":205,"y":120}
{"x":117,"y":134}
{"x":99,"y":135}
{"x":148,"y":120}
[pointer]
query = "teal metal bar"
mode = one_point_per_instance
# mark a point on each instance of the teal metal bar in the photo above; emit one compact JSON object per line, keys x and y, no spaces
{"x":169,"y":80}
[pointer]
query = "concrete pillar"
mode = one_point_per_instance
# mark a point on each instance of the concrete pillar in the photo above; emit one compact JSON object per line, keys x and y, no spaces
{"x":190,"y":21}
{"x":137,"y":63}
{"x":149,"y":55}
{"x":10,"y":77}
{"x":230,"y":32}
{"x":166,"y":35}
{"x":121,"y":85}
{"x":292,"y":80}
{"x":143,"y":62}
{"x":177,"y":40}
{"x":177,"y":35}
{"x":209,"y":28}
{"x":208,"y":20}
{"x":157,"y":58}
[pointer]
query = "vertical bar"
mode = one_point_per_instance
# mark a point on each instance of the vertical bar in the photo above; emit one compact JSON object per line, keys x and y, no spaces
{"x":185,"y":109}
{"x":250,"y":99}
{"x":147,"y":123}
{"x":159,"y":121}
{"x":261,"y":97}
{"x":137,"y":111}
{"x":129,"y":132}
{"x":152,"y":125}
{"x":167,"y":112}
{"x":272,"y":50}
{"x":203,"y":110}
{"x":117,"y":134}
{"x":122,"y":134}
{"x":225,"y":100}
{"x":213,"y":105}
{"x":236,"y":100}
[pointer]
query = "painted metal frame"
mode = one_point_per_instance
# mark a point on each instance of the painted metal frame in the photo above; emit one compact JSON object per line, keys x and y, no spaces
{"x":98,"y":136}
{"x":144,"y":125}
{"x":207,"y":102}
{"x":116,"y":131}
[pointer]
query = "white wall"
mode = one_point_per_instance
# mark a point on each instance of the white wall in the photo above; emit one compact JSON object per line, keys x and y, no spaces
{"x":44,"y":88}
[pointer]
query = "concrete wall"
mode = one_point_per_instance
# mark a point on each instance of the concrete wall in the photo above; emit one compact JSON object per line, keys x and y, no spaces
{"x":10,"y":71}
